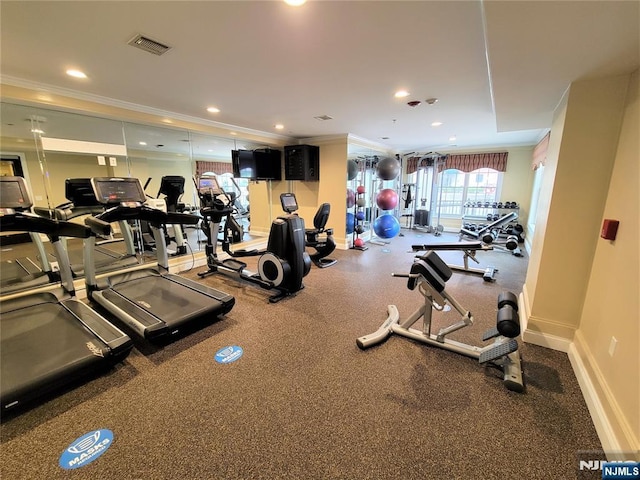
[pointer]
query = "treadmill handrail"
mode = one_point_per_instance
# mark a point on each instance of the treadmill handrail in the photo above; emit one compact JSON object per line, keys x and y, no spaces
{"x":143,"y":212}
{"x":26,"y":222}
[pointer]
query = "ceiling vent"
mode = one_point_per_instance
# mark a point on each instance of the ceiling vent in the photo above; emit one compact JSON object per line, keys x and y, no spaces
{"x":323,"y":117}
{"x":148,"y":45}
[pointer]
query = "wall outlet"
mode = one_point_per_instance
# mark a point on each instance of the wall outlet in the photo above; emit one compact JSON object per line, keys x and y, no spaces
{"x":612,"y":346}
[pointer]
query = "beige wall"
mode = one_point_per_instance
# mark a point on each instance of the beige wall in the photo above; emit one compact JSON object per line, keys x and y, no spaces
{"x":582,"y":290}
{"x":611,"y":307}
{"x":575,"y":189}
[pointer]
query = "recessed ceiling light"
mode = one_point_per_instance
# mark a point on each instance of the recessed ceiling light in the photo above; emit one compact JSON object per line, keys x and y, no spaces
{"x":233,"y":133}
{"x":295,"y":3}
{"x":142,"y":143}
{"x":436,"y":124}
{"x":213,"y":110}
{"x":279,"y":126}
{"x":76,"y":73}
{"x":401,"y":94}
{"x":37,"y":130}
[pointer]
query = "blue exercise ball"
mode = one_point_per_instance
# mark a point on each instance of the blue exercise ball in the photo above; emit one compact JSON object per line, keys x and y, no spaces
{"x":386,"y":226}
{"x":351,"y":222}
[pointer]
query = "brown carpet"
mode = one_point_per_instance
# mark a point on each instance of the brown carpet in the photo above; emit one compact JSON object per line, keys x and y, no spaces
{"x":304,"y":402}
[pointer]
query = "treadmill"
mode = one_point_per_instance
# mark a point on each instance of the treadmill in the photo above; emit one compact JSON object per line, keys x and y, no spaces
{"x":150,"y":301}
{"x":82,"y":201}
{"x":49,"y":339}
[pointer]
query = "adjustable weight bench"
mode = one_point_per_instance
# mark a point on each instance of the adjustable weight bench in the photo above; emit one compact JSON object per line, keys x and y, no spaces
{"x":429,"y":276}
{"x":469,"y":250}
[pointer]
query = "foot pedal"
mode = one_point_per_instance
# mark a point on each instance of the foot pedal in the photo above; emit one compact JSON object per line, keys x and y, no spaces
{"x":491,"y":333}
{"x":499,"y":351}
{"x":234,"y":264}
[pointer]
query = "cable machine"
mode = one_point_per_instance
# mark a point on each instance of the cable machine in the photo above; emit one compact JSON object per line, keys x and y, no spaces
{"x":428,"y":193}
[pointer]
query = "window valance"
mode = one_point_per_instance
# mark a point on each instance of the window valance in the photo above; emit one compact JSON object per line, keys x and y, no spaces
{"x":216,"y":167}
{"x":467,"y":162}
{"x":540,"y":152}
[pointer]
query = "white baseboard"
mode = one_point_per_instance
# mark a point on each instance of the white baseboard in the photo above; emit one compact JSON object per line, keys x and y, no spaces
{"x":610,"y":443}
{"x":546,"y":340}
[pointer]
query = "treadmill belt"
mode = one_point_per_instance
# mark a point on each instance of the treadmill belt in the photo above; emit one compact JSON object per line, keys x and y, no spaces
{"x":44,"y":345}
{"x":165,"y":299}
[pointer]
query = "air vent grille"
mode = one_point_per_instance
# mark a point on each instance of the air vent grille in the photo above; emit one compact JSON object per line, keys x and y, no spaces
{"x":148,"y":45}
{"x":323,"y":117}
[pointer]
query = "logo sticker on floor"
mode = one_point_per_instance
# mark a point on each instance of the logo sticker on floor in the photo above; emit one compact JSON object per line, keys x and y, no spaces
{"x":229,"y":354}
{"x":86,"y":449}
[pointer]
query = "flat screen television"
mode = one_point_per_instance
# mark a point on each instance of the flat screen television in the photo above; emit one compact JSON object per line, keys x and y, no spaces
{"x":261,"y":164}
{"x":243,"y":164}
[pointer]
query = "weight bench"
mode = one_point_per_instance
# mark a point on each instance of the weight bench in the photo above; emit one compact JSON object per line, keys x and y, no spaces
{"x":469,"y":250}
{"x":429,"y":276}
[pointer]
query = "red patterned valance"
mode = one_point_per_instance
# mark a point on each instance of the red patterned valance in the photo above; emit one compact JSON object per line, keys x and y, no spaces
{"x":466,"y":162}
{"x":474,"y":161}
{"x":216,"y":167}
{"x":540,"y":152}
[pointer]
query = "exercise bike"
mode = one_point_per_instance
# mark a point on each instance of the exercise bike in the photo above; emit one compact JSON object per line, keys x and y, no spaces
{"x":429,"y":275}
{"x":319,"y":237}
{"x":281,"y":266}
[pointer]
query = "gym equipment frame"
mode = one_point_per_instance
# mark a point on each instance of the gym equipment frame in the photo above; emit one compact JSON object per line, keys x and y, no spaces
{"x":429,"y":275}
{"x":469,"y":250}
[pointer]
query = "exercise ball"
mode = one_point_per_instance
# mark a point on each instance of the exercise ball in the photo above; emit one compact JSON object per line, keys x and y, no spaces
{"x":386,"y":226}
{"x":387,"y":199}
{"x":352,"y":169}
{"x":351,"y":221}
{"x":360,"y":189}
{"x":360,"y":216}
{"x":388,"y":168}
{"x":351,"y":198}
{"x":358,"y":242}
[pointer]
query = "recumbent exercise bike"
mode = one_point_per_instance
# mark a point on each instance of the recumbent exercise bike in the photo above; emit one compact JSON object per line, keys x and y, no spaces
{"x":281,"y":266}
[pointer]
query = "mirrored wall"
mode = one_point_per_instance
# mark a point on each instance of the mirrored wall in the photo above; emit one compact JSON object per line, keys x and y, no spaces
{"x":50,"y":147}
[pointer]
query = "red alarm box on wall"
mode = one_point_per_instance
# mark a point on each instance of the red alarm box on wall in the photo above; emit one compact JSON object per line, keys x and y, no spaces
{"x":609,"y":229}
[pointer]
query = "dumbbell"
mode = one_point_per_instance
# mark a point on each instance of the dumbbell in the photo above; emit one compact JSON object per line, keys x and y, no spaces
{"x":512,"y":242}
{"x":489,"y":237}
{"x":508,"y":320}
{"x":489,"y":217}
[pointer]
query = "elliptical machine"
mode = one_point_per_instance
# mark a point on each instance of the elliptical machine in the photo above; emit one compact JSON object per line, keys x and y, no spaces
{"x":172,"y":187}
{"x":281,"y":266}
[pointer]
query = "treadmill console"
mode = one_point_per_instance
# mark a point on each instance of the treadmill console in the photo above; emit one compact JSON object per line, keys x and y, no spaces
{"x":80,"y":192}
{"x":118,"y":191}
{"x":14,"y":194}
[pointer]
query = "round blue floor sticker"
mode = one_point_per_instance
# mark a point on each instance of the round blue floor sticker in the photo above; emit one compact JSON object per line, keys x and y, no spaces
{"x":229,"y":354}
{"x":86,"y":449}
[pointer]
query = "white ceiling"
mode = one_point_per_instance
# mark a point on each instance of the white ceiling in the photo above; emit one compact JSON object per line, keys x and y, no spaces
{"x":498,"y":68}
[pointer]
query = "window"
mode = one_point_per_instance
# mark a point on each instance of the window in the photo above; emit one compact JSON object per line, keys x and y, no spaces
{"x":457,"y":188}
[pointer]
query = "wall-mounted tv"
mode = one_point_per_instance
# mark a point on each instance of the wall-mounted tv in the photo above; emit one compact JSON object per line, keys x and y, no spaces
{"x":260,"y":164}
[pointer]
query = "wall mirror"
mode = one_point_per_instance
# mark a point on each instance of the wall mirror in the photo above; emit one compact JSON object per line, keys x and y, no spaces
{"x":48,"y":147}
